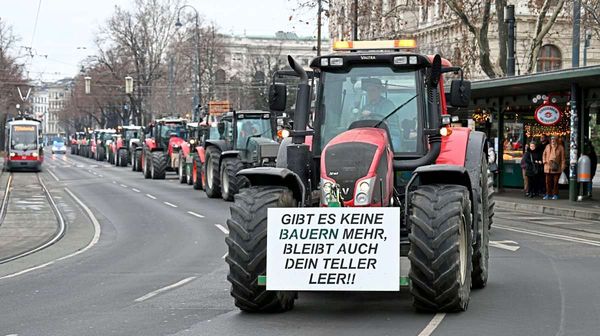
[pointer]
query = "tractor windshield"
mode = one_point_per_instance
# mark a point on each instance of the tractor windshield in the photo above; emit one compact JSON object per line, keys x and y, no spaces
{"x":131,"y":134}
{"x":249,"y":127}
{"x":371,"y":93}
{"x":168,"y":129}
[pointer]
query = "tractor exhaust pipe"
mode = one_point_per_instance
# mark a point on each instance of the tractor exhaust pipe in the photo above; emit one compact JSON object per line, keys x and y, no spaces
{"x":302,"y":103}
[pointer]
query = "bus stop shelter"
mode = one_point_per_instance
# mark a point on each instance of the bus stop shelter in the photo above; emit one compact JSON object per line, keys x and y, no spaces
{"x":504,"y":108}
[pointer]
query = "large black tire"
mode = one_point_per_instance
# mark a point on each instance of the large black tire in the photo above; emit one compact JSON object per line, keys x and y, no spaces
{"x":491,"y":202}
{"x":247,"y":243}
{"x":197,"y":174}
{"x":479,"y":274}
{"x":159,"y":165}
{"x":212,"y":172}
{"x":147,"y":164}
{"x":122,"y":161}
{"x":100,"y":153}
{"x":111,"y":157}
{"x":181,"y":172}
{"x":440,"y":248}
{"x":231,"y":184}
{"x":134,"y":159}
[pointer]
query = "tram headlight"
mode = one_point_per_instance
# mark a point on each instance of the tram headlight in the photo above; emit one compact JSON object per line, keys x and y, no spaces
{"x":35,"y":154}
{"x":12,"y":154}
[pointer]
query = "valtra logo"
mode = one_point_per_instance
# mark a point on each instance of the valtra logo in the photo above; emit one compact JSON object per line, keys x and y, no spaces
{"x":547,"y":114}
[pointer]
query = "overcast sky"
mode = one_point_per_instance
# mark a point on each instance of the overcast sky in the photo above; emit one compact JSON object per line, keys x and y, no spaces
{"x":66,"y":27}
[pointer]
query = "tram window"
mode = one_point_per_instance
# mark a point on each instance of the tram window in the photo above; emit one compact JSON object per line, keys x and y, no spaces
{"x":23,"y":138}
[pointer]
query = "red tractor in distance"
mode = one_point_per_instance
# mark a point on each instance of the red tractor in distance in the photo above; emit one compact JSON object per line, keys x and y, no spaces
{"x":380,"y":136}
{"x":128,"y":138}
{"x":191,"y":169}
{"x":163,"y":138}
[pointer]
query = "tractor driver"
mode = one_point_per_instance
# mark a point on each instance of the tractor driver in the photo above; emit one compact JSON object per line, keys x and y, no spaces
{"x":246,"y":132}
{"x":378,"y":107}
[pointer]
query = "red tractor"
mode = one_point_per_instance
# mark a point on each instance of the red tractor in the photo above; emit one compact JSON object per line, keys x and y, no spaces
{"x":380,"y":137}
{"x":191,"y":169}
{"x":162,"y":141}
{"x":128,"y":138}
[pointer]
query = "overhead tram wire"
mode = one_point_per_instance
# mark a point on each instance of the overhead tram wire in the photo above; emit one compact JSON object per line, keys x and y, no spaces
{"x":37,"y":16}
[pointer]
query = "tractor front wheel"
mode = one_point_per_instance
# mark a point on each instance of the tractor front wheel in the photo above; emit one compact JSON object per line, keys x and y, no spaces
{"x":230,"y":182}
{"x":440,"y":248}
{"x":181,"y":169}
{"x":197,"y":174}
{"x":123,"y":158}
{"x":159,"y":165}
{"x":479,"y":274}
{"x":247,"y":245}
{"x":213,"y":178}
{"x":146,"y":164}
{"x":100,"y":153}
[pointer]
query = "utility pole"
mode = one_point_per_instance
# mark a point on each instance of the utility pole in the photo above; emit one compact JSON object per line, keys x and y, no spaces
{"x":355,"y":23}
{"x":509,"y":17}
{"x":319,"y":9}
{"x":586,"y":44}
{"x":573,"y":143}
{"x":197,"y":100}
{"x":172,"y":84}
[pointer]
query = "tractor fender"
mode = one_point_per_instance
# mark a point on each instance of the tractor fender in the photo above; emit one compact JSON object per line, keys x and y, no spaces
{"x":217,"y":143}
{"x":271,"y":176}
{"x":441,"y":174}
{"x":454,"y":147}
{"x":476,"y":150}
{"x":185,"y":148}
{"x":150,"y":144}
{"x":229,"y":154}
{"x":201,"y":153}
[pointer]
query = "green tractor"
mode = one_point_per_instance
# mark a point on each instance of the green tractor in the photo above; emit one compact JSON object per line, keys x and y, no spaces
{"x":246,"y":139}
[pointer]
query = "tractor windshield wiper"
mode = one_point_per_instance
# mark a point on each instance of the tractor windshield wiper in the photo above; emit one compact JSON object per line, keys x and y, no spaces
{"x":395,"y":110}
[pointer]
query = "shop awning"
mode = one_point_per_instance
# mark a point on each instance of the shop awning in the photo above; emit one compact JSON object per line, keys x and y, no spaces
{"x":550,"y":81}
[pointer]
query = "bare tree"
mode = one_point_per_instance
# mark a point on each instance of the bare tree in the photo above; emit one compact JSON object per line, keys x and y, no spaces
{"x":143,"y":35}
{"x":542,"y":27}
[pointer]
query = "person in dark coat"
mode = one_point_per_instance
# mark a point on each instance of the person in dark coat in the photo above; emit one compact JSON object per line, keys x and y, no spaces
{"x":534,"y":170}
{"x":588,"y":149}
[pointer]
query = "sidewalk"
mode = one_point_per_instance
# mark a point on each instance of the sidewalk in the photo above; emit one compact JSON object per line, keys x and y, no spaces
{"x":514,"y":199}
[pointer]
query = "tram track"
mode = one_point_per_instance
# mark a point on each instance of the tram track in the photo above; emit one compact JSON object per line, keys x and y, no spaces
{"x":5,"y":214}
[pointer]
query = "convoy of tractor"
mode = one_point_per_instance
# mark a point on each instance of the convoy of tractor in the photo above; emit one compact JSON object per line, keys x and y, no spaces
{"x":370,"y":129}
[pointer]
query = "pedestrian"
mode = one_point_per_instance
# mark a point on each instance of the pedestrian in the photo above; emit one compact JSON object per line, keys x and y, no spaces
{"x":589,"y":150}
{"x":524,"y":174}
{"x":554,"y":164}
{"x":534,"y":170}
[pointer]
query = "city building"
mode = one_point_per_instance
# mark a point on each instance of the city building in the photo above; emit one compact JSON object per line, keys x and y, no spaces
{"x":39,"y":104}
{"x":53,"y":97}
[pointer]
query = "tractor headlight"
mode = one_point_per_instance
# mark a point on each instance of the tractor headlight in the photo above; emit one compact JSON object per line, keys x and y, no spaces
{"x":363,"y":192}
{"x":192,"y":141}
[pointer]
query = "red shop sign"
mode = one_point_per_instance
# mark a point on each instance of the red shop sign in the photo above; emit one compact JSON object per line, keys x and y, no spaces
{"x":548,"y":114}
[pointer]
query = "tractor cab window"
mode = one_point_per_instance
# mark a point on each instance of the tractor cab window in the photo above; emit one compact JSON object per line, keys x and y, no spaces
{"x":131,"y":134}
{"x":168,"y":129}
{"x":248,"y":127}
{"x":371,"y":93}
{"x":108,"y":136}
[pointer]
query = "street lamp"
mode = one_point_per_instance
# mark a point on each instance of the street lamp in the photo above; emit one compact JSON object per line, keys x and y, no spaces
{"x":197,"y":91}
{"x":586,"y":45}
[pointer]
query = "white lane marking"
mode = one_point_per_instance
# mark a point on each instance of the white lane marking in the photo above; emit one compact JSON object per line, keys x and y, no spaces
{"x":170,"y":204}
{"x":551,"y":235}
{"x":95,"y":238}
{"x":164,"y":289}
{"x":195,"y":214}
{"x":115,"y":182}
{"x":222,"y":228}
{"x":53,"y":175}
{"x":136,"y":190}
{"x":124,"y":186}
{"x":225,"y":255}
{"x":150,"y":196}
{"x":100,"y":175}
{"x":505,"y":245}
{"x":433,"y":324}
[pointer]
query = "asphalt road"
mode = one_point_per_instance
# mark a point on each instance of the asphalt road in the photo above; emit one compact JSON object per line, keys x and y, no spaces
{"x":158,"y":269}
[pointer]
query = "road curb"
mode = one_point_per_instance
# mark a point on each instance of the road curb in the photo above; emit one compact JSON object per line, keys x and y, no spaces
{"x":549,"y":210}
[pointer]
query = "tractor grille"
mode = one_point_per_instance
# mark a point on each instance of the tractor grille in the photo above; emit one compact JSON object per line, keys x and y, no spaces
{"x":347,"y":162}
{"x":269,"y":150}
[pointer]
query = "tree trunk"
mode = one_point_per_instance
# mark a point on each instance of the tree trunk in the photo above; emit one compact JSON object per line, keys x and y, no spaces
{"x":502,"y":35}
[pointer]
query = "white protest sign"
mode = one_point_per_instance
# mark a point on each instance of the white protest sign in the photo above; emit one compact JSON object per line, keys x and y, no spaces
{"x":328,"y":249}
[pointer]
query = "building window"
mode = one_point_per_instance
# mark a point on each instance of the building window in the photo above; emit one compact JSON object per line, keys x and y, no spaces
{"x":549,"y":58}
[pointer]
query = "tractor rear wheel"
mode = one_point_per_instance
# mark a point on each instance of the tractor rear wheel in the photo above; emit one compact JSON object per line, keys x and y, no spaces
{"x":479,"y":274}
{"x":213,"y":178}
{"x":100,"y":155}
{"x":146,"y":164}
{"x":123,"y":158}
{"x":181,"y":169}
{"x":247,"y":246}
{"x":440,"y":248}
{"x":159,"y":165}
{"x":230,"y":182}
{"x":197,"y":174}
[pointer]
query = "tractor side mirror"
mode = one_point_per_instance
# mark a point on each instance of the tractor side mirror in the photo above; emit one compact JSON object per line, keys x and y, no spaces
{"x":277,"y":97}
{"x":436,"y":71}
{"x":460,"y":93}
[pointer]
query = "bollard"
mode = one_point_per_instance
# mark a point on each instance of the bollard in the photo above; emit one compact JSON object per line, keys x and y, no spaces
{"x":584,"y":175}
